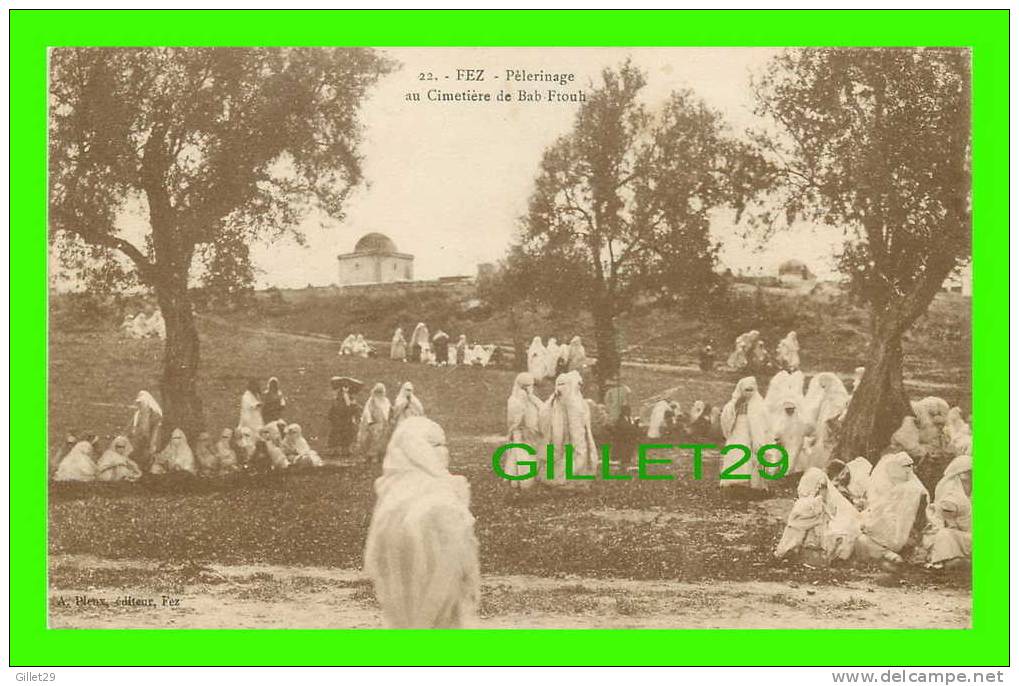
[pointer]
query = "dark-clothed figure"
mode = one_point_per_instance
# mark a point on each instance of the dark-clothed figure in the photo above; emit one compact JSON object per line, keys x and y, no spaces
{"x":440,"y":346}
{"x":707,"y":358}
{"x":343,"y":419}
{"x":273,"y":401}
{"x":622,"y":429}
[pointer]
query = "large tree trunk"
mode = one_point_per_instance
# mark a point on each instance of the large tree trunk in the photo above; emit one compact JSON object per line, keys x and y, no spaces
{"x":182,"y":407}
{"x":606,"y":342}
{"x":879,"y":404}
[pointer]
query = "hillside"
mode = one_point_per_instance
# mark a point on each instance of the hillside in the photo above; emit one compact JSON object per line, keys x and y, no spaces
{"x":832,"y":331}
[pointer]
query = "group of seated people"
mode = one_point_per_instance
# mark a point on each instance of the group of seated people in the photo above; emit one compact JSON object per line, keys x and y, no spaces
{"x":356,"y":346}
{"x":885,"y":514}
{"x":272,"y":445}
{"x":843,"y":510}
{"x":438,"y":351}
{"x":148,"y":323}
{"x":263,"y":440}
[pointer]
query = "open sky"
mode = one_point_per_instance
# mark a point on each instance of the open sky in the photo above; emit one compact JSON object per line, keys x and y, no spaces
{"x":448,"y":181}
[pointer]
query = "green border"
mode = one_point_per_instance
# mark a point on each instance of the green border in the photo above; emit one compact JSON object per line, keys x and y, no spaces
{"x":31,"y":643}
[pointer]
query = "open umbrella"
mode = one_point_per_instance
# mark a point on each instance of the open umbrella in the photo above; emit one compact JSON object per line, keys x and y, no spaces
{"x":352,"y":384}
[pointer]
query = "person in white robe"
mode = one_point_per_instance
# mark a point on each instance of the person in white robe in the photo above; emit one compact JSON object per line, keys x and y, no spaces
{"x":523,"y":409}
{"x":296,"y":448}
{"x":958,"y":433}
{"x":744,"y":421}
{"x":77,"y":465}
{"x":791,"y":432}
{"x":743,"y":350}
{"x":599,"y":419}
{"x":145,"y":431}
{"x":246,"y":444}
{"x":895,"y":497}
{"x":373,"y":430}
{"x":226,"y":456}
{"x":907,"y":439}
{"x":482,"y":354}
{"x":347,"y":346}
{"x":251,"y":407}
{"x":948,"y":536}
{"x":788,"y":352}
{"x":660,"y":420}
{"x":175,"y":457}
{"x":398,"y":346}
{"x":565,"y":418}
{"x":270,"y":449}
{"x":824,"y":403}
{"x":855,"y":479}
{"x":822,"y":525}
{"x":127,"y":326}
{"x":421,"y":552}
{"x":577,"y":357}
{"x":116,"y":463}
{"x":140,"y":328}
{"x":931,"y":417}
{"x":361,"y":347}
{"x":783,"y":386}
{"x":536,"y":356}
{"x":406,"y":405}
{"x":157,"y":325}
{"x":699,"y":425}
{"x":551,"y":358}
{"x":206,"y":460}
{"x":420,"y":340}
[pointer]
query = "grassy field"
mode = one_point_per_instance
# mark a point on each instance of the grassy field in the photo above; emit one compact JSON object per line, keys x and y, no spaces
{"x":833,"y":332}
{"x":678,"y":530}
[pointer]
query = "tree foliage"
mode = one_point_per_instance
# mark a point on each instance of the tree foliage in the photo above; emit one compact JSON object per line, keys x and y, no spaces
{"x":877,"y":144}
{"x":623,"y":203}
{"x":218,"y":147}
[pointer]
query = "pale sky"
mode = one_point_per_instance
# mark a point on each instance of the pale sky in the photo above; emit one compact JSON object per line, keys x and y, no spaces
{"x":448,"y":181}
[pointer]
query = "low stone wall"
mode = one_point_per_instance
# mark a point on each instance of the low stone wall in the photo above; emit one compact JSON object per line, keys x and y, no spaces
{"x":460,"y":286}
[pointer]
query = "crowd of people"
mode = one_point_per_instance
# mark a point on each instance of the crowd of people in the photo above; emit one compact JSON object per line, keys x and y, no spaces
{"x":422,"y":514}
{"x":549,"y":360}
{"x":438,"y":351}
{"x":262,"y":441}
{"x":148,"y":323}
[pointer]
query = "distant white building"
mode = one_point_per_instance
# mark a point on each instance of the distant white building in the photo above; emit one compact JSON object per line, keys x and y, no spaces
{"x":794,"y":272}
{"x":374,"y":260}
{"x":960,"y":280}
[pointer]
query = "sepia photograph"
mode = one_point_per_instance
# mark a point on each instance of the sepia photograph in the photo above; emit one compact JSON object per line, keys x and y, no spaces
{"x":509,"y":338}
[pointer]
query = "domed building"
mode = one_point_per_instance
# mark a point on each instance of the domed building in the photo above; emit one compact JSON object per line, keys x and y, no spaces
{"x":375,"y":260}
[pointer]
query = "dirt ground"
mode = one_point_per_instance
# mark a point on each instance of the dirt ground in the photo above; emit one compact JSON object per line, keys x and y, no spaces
{"x":88,"y":592}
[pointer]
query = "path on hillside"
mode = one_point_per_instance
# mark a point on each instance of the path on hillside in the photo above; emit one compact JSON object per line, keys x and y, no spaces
{"x":85,"y":590}
{"x":918,"y":385}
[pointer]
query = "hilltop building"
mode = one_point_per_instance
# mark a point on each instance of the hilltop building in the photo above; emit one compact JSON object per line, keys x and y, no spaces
{"x":375,"y":260}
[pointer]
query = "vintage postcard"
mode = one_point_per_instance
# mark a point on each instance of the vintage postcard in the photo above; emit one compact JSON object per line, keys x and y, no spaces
{"x":509,"y":338}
